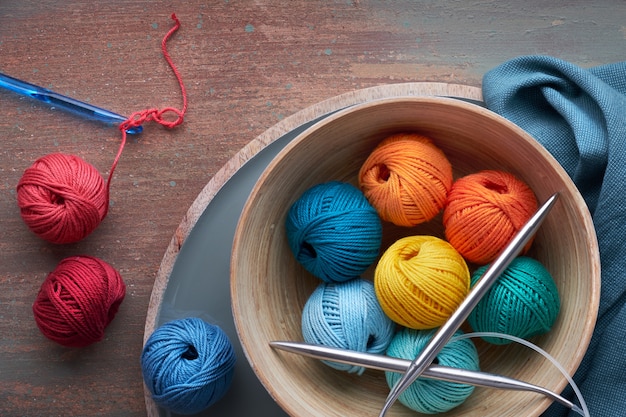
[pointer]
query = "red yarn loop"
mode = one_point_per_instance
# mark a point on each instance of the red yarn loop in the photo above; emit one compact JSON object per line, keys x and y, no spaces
{"x":156,"y":115}
{"x":78,"y":300}
{"x":62,"y":198}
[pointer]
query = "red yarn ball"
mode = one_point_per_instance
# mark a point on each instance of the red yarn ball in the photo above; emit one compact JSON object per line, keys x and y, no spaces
{"x":62,"y":198}
{"x":78,"y":300}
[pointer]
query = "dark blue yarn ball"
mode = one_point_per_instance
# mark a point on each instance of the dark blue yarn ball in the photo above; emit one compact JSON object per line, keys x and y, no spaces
{"x":334,"y":232}
{"x":188,"y":365}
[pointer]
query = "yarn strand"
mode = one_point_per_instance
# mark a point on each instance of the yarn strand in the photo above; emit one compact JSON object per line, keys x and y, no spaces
{"x":583,"y":410}
{"x":63,"y":198}
{"x":154,"y":114}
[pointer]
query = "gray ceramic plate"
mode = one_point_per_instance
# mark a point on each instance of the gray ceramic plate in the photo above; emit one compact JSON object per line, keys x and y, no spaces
{"x":194,"y":278}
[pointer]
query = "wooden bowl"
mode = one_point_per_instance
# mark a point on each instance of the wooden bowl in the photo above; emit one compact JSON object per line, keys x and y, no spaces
{"x":269,"y":288}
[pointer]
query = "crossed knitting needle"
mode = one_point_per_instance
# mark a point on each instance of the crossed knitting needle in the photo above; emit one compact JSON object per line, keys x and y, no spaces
{"x":482,"y":286}
{"x":422,"y":364}
{"x":442,"y":373}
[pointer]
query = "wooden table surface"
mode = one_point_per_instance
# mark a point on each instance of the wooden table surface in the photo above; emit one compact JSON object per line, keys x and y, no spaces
{"x":246,"y":65}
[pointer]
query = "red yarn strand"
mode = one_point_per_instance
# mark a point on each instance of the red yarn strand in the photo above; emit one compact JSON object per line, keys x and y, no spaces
{"x":153,"y":114}
{"x":62,"y":198}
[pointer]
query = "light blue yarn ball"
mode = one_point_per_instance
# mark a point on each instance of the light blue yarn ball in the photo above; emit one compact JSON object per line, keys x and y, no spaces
{"x":523,"y":302}
{"x":430,"y":396}
{"x":334,"y":232}
{"x":188,"y":365}
{"x":347,"y":315}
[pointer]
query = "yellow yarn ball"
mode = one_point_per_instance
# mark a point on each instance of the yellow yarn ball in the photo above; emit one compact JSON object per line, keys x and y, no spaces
{"x":420,"y":281}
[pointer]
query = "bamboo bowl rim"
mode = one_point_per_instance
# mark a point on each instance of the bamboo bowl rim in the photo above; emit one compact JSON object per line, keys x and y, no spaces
{"x":267,"y":305}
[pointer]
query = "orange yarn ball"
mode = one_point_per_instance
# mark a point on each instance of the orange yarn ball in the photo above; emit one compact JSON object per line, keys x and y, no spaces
{"x":406,"y":179}
{"x":484,"y":212}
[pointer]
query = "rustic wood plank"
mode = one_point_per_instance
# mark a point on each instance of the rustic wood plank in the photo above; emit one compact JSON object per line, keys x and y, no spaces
{"x":247,"y":67}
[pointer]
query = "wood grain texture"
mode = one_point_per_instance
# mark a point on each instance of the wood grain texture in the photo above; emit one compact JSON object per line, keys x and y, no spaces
{"x":247,"y":66}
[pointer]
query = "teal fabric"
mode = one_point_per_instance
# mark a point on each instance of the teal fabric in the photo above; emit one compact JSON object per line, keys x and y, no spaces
{"x":579,"y":116}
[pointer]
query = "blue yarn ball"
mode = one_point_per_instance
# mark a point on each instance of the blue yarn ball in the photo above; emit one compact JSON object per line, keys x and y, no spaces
{"x":188,"y":365}
{"x":430,"y":396}
{"x":334,"y":232}
{"x":347,"y":315}
{"x":523,"y":302}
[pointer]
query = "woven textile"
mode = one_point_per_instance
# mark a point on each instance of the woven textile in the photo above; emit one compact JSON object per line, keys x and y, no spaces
{"x":579,"y":116}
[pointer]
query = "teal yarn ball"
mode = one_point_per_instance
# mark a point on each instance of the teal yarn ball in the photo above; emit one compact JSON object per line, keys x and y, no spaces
{"x":187,"y":365}
{"x":523,"y":302}
{"x":334,"y":232}
{"x":346,"y":315}
{"x":430,"y":396}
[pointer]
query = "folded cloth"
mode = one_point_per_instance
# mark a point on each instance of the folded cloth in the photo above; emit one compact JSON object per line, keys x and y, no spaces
{"x":579,"y":116}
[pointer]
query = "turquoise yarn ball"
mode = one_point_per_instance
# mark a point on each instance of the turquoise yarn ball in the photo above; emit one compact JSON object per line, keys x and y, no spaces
{"x":188,"y":365}
{"x":523,"y":302}
{"x":347,"y":315}
{"x":430,"y":396}
{"x":334,"y":232}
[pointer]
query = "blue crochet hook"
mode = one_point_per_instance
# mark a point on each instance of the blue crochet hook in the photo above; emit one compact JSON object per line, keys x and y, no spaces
{"x":447,"y":330}
{"x":67,"y":103}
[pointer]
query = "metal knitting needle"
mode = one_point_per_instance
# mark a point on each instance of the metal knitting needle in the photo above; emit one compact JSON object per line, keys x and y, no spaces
{"x":67,"y":103}
{"x":447,"y":330}
{"x":444,"y":373}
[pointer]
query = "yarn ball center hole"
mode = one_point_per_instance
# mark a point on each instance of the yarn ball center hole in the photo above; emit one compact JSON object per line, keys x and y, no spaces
{"x":383,"y":173}
{"x":57,"y":200}
{"x":410,"y":254}
{"x":191,"y":353}
{"x":308,"y":250}
{"x":497,"y":187}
